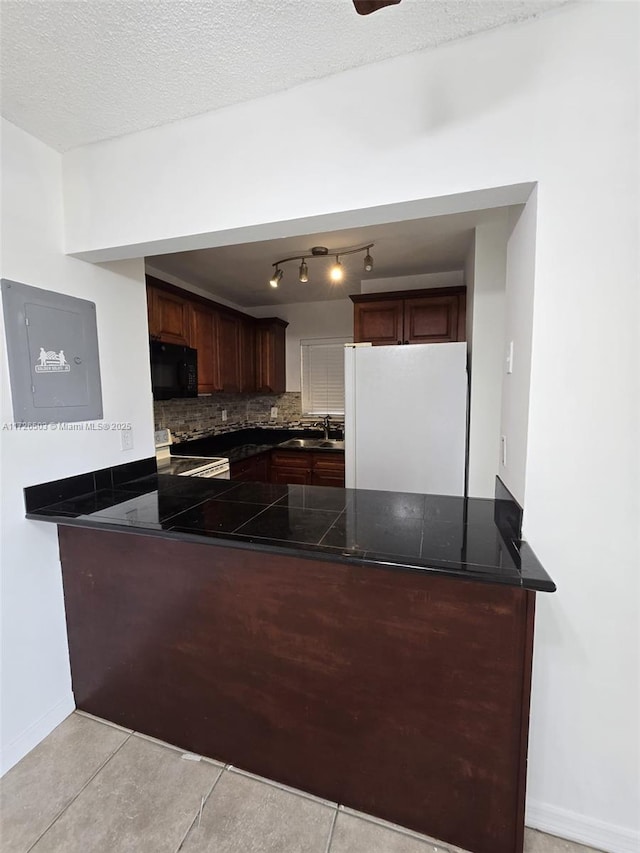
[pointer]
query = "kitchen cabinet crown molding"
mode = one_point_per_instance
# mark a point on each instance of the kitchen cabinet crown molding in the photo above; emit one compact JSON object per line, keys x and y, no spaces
{"x":408,"y":294}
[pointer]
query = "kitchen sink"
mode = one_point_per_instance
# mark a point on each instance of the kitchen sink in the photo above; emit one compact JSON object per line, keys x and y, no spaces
{"x":313,"y":444}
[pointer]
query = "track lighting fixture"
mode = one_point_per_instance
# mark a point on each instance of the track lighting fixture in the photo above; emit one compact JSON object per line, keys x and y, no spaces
{"x":275,"y":278}
{"x":336,"y":273}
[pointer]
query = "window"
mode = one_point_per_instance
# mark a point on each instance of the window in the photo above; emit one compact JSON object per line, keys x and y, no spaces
{"x":322,"y":375}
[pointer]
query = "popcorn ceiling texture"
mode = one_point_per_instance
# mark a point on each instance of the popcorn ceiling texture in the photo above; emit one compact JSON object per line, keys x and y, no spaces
{"x":79,"y":72}
{"x":196,"y":417}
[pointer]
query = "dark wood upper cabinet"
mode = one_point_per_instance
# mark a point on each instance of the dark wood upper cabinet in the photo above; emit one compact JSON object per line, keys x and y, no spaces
{"x":229,"y":341}
{"x":203,"y":338}
{"x":169,"y":317}
{"x":248,"y":355}
{"x":270,"y":355}
{"x":379,"y":322}
{"x":410,"y":317}
{"x":236,"y":352}
{"x":430,"y":321}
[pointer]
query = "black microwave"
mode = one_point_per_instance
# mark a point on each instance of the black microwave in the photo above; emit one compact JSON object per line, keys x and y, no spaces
{"x":174,"y":371}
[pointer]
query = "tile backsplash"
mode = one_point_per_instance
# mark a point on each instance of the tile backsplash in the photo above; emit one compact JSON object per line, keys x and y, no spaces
{"x":196,"y":417}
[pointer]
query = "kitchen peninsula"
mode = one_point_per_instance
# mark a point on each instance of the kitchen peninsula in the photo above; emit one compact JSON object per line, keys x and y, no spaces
{"x":372,"y":648}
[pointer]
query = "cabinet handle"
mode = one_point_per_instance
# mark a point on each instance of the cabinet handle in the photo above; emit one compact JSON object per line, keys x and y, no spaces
{"x":406,"y":342}
{"x":399,"y":342}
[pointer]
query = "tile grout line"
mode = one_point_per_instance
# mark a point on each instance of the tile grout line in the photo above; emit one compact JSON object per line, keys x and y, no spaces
{"x":232,"y":532}
{"x":173,"y":515}
{"x":104,"y":722}
{"x":440,"y":846}
{"x":296,"y":792}
{"x":77,"y":794}
{"x":253,"y":518}
{"x":333,"y":523}
{"x":331,"y":829}
{"x":198,"y":814}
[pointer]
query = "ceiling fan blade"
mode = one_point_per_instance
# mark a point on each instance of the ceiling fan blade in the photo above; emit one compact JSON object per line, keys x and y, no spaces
{"x":366,"y":7}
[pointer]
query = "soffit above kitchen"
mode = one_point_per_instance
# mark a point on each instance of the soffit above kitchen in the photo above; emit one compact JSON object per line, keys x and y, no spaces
{"x":240,"y":273}
{"x":76,"y":72}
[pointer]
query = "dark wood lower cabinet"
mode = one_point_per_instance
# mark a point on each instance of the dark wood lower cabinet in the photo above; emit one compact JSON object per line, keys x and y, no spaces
{"x":401,"y":694}
{"x":307,"y":468}
{"x":255,"y":469}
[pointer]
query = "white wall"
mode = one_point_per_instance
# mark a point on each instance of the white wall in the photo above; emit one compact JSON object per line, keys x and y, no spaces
{"x":554,"y":101}
{"x":331,"y":319}
{"x":486,"y":274}
{"x":36,"y":687}
{"x":451,"y":278}
{"x":518,"y":326}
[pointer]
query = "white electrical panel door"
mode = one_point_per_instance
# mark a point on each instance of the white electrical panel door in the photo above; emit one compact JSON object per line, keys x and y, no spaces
{"x":56,"y":380}
{"x":406,"y":418}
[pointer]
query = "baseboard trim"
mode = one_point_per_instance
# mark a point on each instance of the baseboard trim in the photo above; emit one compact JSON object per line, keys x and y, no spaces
{"x":35,"y":733}
{"x":584,"y":830}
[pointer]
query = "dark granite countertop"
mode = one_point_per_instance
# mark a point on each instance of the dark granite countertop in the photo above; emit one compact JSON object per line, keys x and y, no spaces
{"x":241,"y":444}
{"x":468,"y":538}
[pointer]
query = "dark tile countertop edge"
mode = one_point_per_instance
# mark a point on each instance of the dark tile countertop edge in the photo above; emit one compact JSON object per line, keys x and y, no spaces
{"x":527,"y":571}
{"x":538,"y":582}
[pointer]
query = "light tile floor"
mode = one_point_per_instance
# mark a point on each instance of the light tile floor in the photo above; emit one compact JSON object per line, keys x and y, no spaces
{"x":92,"y":787}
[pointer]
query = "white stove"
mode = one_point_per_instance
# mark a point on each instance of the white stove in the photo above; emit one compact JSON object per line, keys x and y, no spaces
{"x":187,"y":466}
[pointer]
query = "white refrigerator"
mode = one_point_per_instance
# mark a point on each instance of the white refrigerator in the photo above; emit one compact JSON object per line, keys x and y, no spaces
{"x":406,"y":417}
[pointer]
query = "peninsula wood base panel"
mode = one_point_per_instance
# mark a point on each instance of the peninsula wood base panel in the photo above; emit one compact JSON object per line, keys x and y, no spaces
{"x":401,"y":694}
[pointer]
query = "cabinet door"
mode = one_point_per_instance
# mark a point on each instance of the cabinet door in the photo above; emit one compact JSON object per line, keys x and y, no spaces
{"x":152,"y":316}
{"x":247,"y":355}
{"x":203,"y":338}
{"x":328,"y":469}
{"x":378,"y":322}
{"x":430,"y":320}
{"x":261,"y":468}
{"x":229,"y":352}
{"x":270,"y":357}
{"x":243,"y":470}
{"x":170,"y":318}
{"x":291,"y":466}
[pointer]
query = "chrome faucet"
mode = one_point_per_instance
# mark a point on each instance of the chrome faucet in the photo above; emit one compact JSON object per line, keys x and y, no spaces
{"x":324,"y":423}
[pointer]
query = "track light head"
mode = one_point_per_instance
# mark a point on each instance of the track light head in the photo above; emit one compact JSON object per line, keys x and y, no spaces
{"x":274,"y":281}
{"x":336,"y":273}
{"x":368,"y":262}
{"x":304,"y":272}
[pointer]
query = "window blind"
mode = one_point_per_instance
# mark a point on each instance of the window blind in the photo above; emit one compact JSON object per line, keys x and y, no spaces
{"x":322,"y":374}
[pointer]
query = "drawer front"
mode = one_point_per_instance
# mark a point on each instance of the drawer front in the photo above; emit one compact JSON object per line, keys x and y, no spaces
{"x":297,"y":476}
{"x":328,"y":477}
{"x":328,"y":461}
{"x":291,"y":459}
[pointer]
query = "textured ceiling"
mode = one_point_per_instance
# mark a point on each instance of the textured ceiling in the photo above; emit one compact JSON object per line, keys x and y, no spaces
{"x":241,"y":273}
{"x":78,"y":71}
